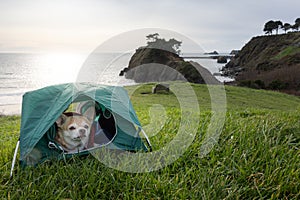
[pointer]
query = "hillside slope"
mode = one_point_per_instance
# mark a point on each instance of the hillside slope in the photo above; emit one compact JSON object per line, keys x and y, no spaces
{"x":237,"y":98}
{"x":268,"y":62}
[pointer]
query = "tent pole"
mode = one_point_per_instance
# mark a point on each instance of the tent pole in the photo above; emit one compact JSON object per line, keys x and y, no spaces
{"x":147,"y":139}
{"x":14,"y":158}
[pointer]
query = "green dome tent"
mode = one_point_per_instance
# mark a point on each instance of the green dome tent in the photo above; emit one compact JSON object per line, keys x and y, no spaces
{"x":41,"y":108}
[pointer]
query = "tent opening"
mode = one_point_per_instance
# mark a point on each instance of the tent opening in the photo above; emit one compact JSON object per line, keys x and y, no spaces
{"x":104,"y":124}
{"x":86,"y":125}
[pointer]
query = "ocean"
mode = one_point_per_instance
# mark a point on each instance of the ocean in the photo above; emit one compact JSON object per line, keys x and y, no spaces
{"x":20,"y":72}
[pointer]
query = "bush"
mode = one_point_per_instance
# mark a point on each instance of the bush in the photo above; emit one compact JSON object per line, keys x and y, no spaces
{"x":260,"y":84}
{"x":244,"y":83}
{"x":257,"y":84}
{"x":278,"y":85}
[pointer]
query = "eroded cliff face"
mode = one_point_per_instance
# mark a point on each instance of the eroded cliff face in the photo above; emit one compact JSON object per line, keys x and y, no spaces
{"x":268,"y":62}
{"x":156,"y":65}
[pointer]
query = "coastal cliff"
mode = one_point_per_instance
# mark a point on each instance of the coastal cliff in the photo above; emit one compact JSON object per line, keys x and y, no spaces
{"x":157,"y":65}
{"x":268,"y":62}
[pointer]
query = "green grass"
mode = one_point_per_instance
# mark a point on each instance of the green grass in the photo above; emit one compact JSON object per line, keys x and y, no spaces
{"x":237,"y":98}
{"x":288,"y":51}
{"x":257,"y":155}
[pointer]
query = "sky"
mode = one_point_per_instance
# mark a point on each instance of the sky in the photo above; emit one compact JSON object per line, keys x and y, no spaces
{"x":38,"y":26}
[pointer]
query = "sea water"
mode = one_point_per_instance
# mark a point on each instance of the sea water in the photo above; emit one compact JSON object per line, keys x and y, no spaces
{"x":20,"y":73}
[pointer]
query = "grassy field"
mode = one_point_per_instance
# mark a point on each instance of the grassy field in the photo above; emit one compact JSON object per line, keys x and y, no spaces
{"x":257,"y":155}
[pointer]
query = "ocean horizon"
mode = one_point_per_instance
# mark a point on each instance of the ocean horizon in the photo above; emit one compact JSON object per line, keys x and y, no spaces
{"x":23,"y":72}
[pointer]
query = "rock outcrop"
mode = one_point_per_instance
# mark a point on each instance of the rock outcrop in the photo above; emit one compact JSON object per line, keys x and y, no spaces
{"x":268,"y":62}
{"x":222,"y":59}
{"x":156,"y":65}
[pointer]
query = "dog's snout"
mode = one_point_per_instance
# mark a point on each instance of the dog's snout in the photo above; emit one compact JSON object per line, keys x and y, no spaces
{"x":82,"y":132}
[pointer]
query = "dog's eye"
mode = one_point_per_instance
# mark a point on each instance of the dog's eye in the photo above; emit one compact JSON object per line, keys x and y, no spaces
{"x":86,"y":126}
{"x":72,"y":128}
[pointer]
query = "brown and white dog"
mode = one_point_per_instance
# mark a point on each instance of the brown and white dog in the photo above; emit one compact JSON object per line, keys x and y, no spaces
{"x":73,"y":132}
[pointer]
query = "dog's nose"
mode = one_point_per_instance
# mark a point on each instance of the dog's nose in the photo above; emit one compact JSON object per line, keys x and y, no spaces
{"x":82,"y":132}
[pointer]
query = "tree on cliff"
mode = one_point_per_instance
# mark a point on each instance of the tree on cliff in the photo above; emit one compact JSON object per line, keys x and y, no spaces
{"x":171,"y":45}
{"x":286,"y":27}
{"x":297,"y":24}
{"x":270,"y":26}
{"x":152,"y":37}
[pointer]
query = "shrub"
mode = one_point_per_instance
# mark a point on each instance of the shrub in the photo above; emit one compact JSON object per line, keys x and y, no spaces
{"x":260,"y":84}
{"x":257,"y":84}
{"x":278,"y":85}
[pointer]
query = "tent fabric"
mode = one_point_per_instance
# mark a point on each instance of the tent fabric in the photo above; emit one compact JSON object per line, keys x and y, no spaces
{"x":41,"y":108}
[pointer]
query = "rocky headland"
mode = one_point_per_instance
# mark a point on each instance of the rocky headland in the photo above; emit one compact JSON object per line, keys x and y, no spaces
{"x":268,"y":62}
{"x":158,"y":65}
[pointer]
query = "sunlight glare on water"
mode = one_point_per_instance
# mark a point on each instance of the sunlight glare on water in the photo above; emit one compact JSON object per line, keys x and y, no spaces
{"x":20,"y":73}
{"x":56,"y":68}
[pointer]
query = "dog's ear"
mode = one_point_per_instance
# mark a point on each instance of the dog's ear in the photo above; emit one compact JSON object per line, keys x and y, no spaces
{"x":61,"y":120}
{"x":90,"y":113}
